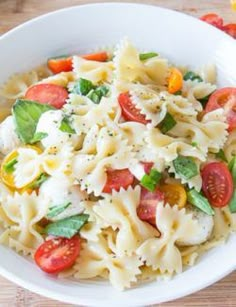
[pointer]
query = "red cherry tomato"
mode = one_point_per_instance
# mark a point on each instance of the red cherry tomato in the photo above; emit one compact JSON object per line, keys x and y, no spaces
{"x":217,"y":184}
{"x":116,"y":179}
{"x":213,"y":19}
{"x":58,"y":65}
{"x":230,"y":29}
{"x":129,"y":111}
{"x":58,"y":254}
{"x":224,"y":98}
{"x":147,"y":166}
{"x":148,"y":202}
{"x":53,"y":94}
{"x":99,"y":56}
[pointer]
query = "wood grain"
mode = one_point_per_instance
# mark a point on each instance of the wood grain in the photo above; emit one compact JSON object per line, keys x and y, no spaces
{"x":13,"y":13}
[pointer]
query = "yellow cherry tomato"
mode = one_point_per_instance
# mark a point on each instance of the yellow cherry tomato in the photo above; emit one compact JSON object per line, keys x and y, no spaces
{"x":175,"y":194}
{"x":7,"y":169}
{"x":175,"y":81}
{"x":7,"y":175}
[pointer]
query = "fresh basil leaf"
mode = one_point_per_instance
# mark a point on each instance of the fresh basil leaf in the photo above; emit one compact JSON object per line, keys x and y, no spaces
{"x":39,"y":181}
{"x":150,"y":181}
{"x":10,"y":166}
{"x":66,"y":127}
{"x":232,"y":168}
{"x":38,"y":136}
{"x":26,"y":114}
{"x":146,"y":56}
{"x":190,"y":75}
{"x":168,"y":123}
{"x":204,"y":100}
{"x":67,"y":227}
{"x":199,"y":201}
{"x":97,"y":94}
{"x":185,"y":167}
{"x":221,"y":155}
{"x":83,"y":87}
{"x":56,"y":210}
{"x":232,"y":204}
{"x":194,"y":144}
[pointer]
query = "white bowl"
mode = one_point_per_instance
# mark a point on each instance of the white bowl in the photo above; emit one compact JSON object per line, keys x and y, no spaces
{"x":181,"y":38}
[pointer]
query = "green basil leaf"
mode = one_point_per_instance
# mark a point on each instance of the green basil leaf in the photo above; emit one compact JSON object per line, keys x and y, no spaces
{"x":199,"y":201}
{"x":10,"y":166}
{"x":66,"y":127}
{"x":185,"y":167}
{"x":39,"y":181}
{"x":232,"y":168}
{"x":190,"y":75}
{"x":67,"y":227}
{"x":232,"y":204}
{"x":150,"y":181}
{"x":38,"y":136}
{"x":168,"y":123}
{"x":97,"y":94}
{"x":26,"y":114}
{"x":194,"y":144}
{"x":146,"y":56}
{"x":83,"y":87}
{"x":204,"y":100}
{"x":221,"y":155}
{"x":56,"y":210}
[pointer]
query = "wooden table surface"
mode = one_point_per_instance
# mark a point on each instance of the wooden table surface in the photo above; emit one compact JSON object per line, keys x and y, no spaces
{"x":14,"y":12}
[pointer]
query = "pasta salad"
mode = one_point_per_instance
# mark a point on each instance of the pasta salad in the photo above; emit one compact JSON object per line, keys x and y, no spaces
{"x":117,"y":165}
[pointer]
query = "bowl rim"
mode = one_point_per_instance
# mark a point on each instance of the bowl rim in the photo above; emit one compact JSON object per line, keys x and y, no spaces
{"x":89,"y":301}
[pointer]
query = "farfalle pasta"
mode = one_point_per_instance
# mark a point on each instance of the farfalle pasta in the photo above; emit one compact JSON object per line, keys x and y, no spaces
{"x":118,"y":165}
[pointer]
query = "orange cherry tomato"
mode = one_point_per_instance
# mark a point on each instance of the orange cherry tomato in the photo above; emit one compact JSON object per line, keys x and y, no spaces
{"x":175,"y":81}
{"x":174,"y":194}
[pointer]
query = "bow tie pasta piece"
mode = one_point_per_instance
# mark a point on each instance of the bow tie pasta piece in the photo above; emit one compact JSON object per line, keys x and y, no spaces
{"x":210,"y":134}
{"x":63,"y":79}
{"x":111,"y":152}
{"x":129,"y":68}
{"x":92,"y":70}
{"x":57,"y":160}
{"x":168,"y":148}
{"x":24,"y":211}
{"x":162,"y":253}
{"x":28,"y":166}
{"x":100,"y":114}
{"x":18,"y":84}
{"x":119,"y":211}
{"x":195,"y":90}
{"x":96,"y":259}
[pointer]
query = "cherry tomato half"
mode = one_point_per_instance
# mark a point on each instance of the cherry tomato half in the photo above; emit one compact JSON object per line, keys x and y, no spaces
{"x":58,"y":65}
{"x":174,"y":194}
{"x":148,"y":202}
{"x":116,"y":179}
{"x":147,"y":166}
{"x":53,"y":94}
{"x":58,"y":254}
{"x":224,"y":98}
{"x":230,"y":29}
{"x":217,"y":183}
{"x":129,"y":110}
{"x":213,"y":19}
